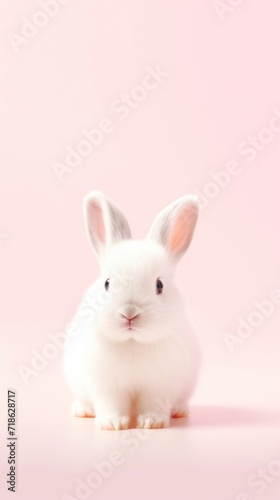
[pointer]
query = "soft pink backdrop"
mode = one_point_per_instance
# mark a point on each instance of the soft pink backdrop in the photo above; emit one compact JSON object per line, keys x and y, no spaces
{"x":222,"y":86}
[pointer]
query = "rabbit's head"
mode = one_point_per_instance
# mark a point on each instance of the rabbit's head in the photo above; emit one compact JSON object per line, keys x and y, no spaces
{"x":138,"y":298}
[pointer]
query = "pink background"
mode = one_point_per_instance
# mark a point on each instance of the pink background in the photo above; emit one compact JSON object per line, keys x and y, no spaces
{"x":222,"y":87}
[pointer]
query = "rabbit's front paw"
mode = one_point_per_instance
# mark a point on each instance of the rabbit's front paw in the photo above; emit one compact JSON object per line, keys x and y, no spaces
{"x":152,"y":421}
{"x":179,"y":411}
{"x":81,"y":409}
{"x":113,"y":423}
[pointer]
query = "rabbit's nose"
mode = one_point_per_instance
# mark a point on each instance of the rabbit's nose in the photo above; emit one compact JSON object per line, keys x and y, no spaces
{"x":129,"y":312}
{"x":130,"y":317}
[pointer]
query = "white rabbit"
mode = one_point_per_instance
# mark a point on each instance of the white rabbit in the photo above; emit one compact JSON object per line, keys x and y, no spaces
{"x":133,"y":352}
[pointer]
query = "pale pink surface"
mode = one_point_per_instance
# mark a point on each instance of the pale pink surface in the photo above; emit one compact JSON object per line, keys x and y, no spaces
{"x":222,"y":86}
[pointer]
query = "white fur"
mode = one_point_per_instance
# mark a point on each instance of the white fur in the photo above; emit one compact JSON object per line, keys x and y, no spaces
{"x":151,"y":370}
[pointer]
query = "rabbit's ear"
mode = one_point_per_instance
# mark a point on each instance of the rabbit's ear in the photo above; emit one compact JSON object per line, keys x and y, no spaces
{"x":105,"y":223}
{"x":174,"y":226}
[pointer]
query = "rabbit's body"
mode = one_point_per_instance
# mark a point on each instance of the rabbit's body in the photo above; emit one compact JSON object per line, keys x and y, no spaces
{"x":133,"y":351}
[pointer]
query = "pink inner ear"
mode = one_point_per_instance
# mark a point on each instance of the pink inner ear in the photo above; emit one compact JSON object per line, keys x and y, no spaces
{"x":97,"y":221}
{"x":182,"y":231}
{"x":178,"y":235}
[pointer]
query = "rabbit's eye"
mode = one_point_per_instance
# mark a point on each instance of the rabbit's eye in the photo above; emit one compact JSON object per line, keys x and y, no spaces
{"x":159,"y":286}
{"x":106,"y":284}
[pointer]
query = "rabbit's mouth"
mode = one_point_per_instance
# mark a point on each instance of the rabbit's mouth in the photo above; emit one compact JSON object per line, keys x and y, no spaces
{"x":130,"y":327}
{"x":129,"y":320}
